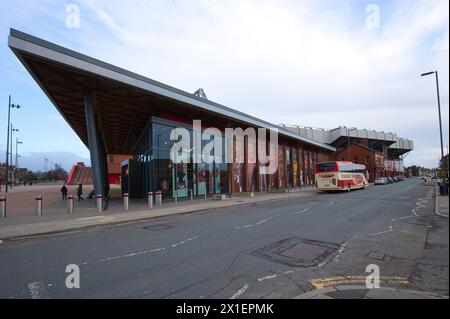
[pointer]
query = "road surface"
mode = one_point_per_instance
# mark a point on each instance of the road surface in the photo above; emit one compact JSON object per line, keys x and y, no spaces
{"x":277,"y":249}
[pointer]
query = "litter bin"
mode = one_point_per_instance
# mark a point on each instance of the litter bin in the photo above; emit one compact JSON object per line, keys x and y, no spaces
{"x":443,"y":189}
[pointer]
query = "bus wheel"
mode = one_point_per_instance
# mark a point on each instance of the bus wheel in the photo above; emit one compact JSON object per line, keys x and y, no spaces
{"x":349,"y":188}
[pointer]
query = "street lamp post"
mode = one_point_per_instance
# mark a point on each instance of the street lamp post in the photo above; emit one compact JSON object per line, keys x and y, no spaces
{"x":11,"y":153}
{"x":10,"y":105}
{"x":17,"y":154}
{"x":439,"y":108}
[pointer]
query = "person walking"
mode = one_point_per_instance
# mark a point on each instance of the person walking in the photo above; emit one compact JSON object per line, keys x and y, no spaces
{"x":64,"y":191}
{"x":80,"y":192}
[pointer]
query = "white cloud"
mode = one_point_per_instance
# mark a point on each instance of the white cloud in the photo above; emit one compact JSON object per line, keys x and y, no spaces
{"x":303,"y":62}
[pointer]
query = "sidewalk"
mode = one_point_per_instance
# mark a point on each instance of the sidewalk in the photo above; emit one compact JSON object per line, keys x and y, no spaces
{"x":11,"y":228}
{"x":362,"y":292}
{"x":441,"y":205}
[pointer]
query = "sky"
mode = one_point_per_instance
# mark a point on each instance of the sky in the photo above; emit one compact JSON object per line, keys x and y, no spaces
{"x":317,"y":63}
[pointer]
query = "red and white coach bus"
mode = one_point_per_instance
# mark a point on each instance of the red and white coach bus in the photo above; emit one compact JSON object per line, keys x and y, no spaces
{"x":345,"y":176}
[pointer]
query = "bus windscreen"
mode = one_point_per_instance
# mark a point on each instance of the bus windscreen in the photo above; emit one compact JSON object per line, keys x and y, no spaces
{"x":326,"y":167}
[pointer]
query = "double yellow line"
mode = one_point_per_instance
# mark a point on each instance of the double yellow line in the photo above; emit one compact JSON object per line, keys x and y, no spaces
{"x":320,"y":283}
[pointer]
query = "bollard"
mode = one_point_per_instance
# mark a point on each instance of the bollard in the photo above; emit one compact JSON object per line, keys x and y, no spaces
{"x":159,"y":198}
{"x":70,"y":206}
{"x":126,"y":201}
{"x":3,"y":207}
{"x":176,"y":197}
{"x":99,"y":203}
{"x":39,"y":205}
{"x":150,"y":200}
{"x":191,"y":194}
{"x":206,"y":195}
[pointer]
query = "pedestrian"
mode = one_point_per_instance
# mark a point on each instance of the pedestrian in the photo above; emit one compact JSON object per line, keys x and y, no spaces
{"x":64,"y":191}
{"x":80,"y":192}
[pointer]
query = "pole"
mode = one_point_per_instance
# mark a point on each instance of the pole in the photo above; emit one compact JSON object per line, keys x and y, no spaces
{"x":2,"y":207}
{"x":7,"y":147}
{"x":439,"y":109}
{"x":17,"y":142}
{"x":70,"y":206}
{"x":11,"y":145}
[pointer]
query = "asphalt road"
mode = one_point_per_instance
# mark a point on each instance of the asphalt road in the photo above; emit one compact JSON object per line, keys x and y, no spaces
{"x":276,"y":249}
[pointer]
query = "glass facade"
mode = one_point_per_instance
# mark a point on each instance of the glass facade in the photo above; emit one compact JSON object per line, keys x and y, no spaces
{"x":159,"y":173}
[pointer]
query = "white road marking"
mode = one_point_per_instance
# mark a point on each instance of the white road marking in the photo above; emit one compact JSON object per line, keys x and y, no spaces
{"x":380,"y":233}
{"x":302,"y":211}
{"x":132,"y":254}
{"x":340,"y":252}
{"x":265,"y":220}
{"x":331,"y":203}
{"x":240,"y":292}
{"x":257,"y":224}
{"x":245,"y":226}
{"x":406,"y":217}
{"x":267,"y":277}
{"x":37,"y":290}
{"x":419,"y":205}
{"x":183,"y":242}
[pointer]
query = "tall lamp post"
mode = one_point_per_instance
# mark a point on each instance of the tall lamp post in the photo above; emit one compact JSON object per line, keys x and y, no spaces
{"x":10,"y":105}
{"x":11,"y":153}
{"x":439,"y":109}
{"x":17,"y":154}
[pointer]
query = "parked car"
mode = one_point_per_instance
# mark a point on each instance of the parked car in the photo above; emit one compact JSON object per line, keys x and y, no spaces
{"x":381,"y":181}
{"x":390,"y":180}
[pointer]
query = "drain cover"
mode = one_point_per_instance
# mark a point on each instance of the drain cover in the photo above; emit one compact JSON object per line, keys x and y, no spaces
{"x":297,"y":252}
{"x":157,"y":227}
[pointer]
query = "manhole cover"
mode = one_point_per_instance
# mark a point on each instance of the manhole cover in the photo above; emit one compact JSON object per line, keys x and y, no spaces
{"x":298,"y":252}
{"x":305,"y":251}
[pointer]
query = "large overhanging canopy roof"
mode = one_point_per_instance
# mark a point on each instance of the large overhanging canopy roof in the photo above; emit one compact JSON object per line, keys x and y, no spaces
{"x":123,"y":101}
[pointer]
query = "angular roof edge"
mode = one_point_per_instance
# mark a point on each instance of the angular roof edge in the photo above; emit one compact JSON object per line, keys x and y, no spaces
{"x":19,"y":41}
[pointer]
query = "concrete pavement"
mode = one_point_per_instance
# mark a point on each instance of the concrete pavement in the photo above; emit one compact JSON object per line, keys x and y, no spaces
{"x":54,"y":223}
{"x":441,"y":205}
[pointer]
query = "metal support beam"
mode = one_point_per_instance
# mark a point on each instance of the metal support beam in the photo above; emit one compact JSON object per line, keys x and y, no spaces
{"x":96,"y":149}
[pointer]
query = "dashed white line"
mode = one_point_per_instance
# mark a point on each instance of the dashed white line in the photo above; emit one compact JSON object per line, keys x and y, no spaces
{"x":265,"y":220}
{"x":340,"y":252}
{"x":132,"y":254}
{"x":267,"y":278}
{"x":331,"y":203}
{"x":257,"y":224}
{"x":183,"y":242}
{"x":240,"y":292}
{"x":302,"y":211}
{"x":245,"y":226}
{"x":380,"y":233}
